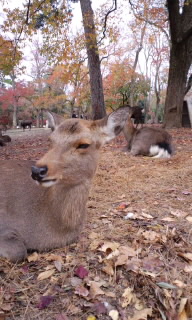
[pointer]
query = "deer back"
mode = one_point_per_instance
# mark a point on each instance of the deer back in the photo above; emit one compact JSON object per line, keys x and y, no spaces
{"x":146,"y":137}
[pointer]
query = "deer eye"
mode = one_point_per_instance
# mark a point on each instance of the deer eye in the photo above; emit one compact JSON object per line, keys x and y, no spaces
{"x":83,"y":146}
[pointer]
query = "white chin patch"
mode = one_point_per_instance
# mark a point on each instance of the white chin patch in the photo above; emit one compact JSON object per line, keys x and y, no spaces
{"x":48,"y":183}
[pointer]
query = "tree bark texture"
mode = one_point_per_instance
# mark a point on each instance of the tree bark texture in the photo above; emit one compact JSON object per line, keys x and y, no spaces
{"x":96,"y":84}
{"x":180,"y":61}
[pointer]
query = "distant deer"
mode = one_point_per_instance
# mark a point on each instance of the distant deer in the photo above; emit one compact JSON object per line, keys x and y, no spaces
{"x":138,"y":115}
{"x":26,"y":123}
{"x":147,"y":141}
{"x":50,"y":213}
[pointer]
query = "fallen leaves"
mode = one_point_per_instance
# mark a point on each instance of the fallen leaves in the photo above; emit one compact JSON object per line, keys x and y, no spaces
{"x":81,"y":291}
{"x":128,"y":297}
{"x":81,"y":272}
{"x":133,"y":258}
{"x":142,"y":314}
{"x":95,"y":289}
{"x":45,"y":274}
{"x":114,"y":314}
{"x":44,"y":302}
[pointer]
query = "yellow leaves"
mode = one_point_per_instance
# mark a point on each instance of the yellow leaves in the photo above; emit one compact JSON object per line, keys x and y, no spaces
{"x":187,"y":256}
{"x":91,"y":318}
{"x":45,"y":274}
{"x":33,"y":257}
{"x":188,"y":269}
{"x":142,"y":314}
{"x":189,"y":218}
{"x":114,"y":314}
{"x":128,"y":297}
{"x":185,"y":310}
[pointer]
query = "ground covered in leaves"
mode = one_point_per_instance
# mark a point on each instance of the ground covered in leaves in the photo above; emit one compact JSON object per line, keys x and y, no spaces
{"x":133,"y":260}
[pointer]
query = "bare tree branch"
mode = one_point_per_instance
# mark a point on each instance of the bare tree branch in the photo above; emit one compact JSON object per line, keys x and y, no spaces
{"x":28,"y":9}
{"x":141,"y":18}
{"x":113,"y":8}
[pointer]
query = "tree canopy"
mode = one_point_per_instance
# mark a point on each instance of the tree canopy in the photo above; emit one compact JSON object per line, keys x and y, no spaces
{"x":124,"y":49}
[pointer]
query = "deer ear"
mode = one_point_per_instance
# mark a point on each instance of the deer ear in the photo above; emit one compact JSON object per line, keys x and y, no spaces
{"x":53,"y":119}
{"x":114,"y":123}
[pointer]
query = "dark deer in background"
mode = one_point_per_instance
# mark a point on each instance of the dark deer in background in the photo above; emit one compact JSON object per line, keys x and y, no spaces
{"x":147,"y":141}
{"x":46,"y":215}
{"x":137,"y":114}
{"x":26,"y":123}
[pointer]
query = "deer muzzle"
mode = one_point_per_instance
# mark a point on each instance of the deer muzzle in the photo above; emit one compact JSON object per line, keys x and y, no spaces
{"x":39,"y":173}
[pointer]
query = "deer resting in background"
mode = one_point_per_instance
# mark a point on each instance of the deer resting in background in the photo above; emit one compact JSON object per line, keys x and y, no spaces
{"x":49,"y":212}
{"x":147,"y":141}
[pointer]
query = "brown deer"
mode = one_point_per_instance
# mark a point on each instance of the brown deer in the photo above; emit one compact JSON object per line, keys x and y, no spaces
{"x":147,"y":141}
{"x":50,"y":213}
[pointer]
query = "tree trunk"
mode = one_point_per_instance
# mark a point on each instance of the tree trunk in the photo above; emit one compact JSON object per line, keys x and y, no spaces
{"x":38,"y":119}
{"x":14,"y":115}
{"x":179,"y":66}
{"x":96,"y":85}
{"x":157,"y":108}
{"x":14,"y":124}
{"x":180,"y":22}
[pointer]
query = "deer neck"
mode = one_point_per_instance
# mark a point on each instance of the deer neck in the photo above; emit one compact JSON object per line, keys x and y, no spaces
{"x":129,"y":130}
{"x":68,"y":203}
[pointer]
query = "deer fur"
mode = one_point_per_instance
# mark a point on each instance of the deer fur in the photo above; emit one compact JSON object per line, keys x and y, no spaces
{"x":147,"y":141}
{"x":50,"y":213}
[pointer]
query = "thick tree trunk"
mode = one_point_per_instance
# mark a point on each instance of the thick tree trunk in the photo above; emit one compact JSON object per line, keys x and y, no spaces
{"x":96,"y":85}
{"x":179,"y":65}
{"x":180,"y":22}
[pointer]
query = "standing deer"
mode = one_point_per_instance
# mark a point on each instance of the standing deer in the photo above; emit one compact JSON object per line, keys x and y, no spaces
{"x":147,"y":141}
{"x":50,"y":213}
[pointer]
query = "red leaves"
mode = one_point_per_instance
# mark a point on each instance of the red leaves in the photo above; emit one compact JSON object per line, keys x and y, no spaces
{"x":81,"y":272}
{"x":44,"y":302}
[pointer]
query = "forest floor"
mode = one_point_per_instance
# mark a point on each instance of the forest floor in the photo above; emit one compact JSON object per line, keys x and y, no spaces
{"x":133,"y":260}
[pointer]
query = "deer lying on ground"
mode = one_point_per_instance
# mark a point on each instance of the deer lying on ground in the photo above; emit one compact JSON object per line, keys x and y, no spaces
{"x":147,"y":141}
{"x":50,"y":213}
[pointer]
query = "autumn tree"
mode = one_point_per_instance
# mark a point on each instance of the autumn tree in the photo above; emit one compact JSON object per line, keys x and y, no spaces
{"x":40,"y":69}
{"x":15,"y":96}
{"x":9,"y":57}
{"x":118,"y":86}
{"x":179,"y":16}
{"x":159,"y":52}
{"x":52,"y":18}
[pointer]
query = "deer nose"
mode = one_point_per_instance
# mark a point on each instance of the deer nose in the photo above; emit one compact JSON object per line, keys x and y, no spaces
{"x":38,"y":173}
